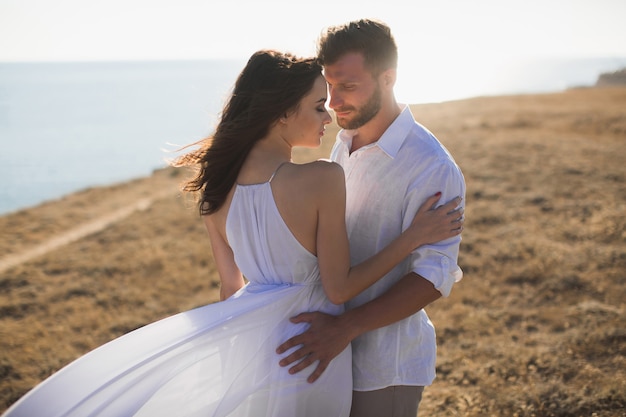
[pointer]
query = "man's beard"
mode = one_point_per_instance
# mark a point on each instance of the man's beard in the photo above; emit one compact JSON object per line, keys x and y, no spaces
{"x":365,"y":113}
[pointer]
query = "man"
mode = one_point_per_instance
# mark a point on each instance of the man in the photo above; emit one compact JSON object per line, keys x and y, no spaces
{"x":392,"y":164}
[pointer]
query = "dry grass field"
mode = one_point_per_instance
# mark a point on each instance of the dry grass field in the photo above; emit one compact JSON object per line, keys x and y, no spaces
{"x":537,"y":327}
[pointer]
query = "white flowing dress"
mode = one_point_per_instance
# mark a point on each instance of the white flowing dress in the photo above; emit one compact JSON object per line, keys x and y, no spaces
{"x":219,"y":359}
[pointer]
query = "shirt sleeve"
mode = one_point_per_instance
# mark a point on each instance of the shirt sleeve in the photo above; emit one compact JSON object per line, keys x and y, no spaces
{"x":438,"y":262}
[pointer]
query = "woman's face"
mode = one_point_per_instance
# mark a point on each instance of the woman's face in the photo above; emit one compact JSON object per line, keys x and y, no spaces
{"x":305,"y":126}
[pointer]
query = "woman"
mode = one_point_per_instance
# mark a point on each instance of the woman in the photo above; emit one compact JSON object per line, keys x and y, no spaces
{"x":279,"y":225}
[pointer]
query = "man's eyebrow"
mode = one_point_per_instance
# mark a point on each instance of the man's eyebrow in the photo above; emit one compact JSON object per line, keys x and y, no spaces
{"x":345,"y":82}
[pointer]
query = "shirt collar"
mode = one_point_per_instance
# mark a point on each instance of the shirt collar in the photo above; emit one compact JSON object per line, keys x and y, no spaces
{"x":393,"y":138}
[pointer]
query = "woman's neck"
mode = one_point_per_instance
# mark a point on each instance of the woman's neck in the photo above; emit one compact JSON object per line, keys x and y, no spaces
{"x":263,"y":159}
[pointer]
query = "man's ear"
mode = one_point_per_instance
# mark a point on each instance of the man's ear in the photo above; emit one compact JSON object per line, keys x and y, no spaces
{"x":388,"y":78}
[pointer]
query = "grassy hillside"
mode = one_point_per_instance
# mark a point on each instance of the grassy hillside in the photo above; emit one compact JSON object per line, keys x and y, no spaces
{"x":535,"y":328}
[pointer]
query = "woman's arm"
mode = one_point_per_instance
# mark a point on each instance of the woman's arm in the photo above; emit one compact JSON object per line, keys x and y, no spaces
{"x":230,"y":276}
{"x":340,"y":281}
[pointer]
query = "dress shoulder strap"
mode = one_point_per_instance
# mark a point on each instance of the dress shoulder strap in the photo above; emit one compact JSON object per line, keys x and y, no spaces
{"x":275,"y":171}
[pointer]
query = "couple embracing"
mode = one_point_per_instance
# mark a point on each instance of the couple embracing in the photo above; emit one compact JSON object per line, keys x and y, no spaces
{"x":326,"y":267}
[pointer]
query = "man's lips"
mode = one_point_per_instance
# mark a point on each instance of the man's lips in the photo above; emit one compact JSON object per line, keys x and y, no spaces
{"x":342,"y":112}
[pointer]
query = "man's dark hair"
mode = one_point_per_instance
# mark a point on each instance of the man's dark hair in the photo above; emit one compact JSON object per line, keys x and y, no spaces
{"x":372,"y":38}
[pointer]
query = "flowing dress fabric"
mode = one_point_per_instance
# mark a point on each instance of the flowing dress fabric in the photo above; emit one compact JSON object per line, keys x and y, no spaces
{"x":219,"y":359}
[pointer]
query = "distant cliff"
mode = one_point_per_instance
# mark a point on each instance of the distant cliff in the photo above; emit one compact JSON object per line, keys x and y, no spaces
{"x":612,"y":78}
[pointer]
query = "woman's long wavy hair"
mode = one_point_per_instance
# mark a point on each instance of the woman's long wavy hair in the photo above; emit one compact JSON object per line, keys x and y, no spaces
{"x":269,"y":87}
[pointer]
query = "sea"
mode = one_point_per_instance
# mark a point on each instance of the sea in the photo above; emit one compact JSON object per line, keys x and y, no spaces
{"x":67,"y":126}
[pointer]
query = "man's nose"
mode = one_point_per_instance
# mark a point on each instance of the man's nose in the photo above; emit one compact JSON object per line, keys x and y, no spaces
{"x":336,"y":100}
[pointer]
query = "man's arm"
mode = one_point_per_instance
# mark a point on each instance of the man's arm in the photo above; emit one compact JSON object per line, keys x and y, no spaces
{"x":327,"y":335}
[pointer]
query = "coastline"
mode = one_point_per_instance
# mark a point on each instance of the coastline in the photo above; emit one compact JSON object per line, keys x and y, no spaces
{"x":125,"y":122}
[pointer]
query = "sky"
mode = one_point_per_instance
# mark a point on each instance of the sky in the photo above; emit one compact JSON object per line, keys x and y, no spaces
{"x":467,"y":35}
{"x":78,"y":30}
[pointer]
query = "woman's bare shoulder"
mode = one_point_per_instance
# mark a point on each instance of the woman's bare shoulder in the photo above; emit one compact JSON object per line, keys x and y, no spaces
{"x":322,"y":169}
{"x":318,"y":176}
{"x":326,"y":177}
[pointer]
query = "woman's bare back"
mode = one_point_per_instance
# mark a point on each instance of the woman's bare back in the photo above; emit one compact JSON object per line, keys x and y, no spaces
{"x":300,"y":192}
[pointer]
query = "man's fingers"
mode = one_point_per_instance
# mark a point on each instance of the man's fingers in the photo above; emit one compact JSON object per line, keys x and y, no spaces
{"x":294,"y":341}
{"x":298,"y":339}
{"x":303,"y":364}
{"x":321,"y":367}
{"x":302,"y":318}
{"x":293,"y":357}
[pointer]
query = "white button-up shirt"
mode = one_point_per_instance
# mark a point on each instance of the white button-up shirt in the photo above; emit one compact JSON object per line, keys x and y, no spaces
{"x":386,"y":183}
